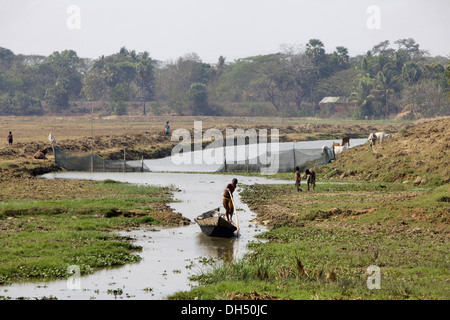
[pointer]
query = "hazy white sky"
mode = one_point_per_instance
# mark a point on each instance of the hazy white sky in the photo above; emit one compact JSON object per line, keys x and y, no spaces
{"x":168,"y":29}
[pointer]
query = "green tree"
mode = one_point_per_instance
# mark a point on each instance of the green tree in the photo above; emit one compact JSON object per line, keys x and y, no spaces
{"x":411,"y":72}
{"x":234,"y":84}
{"x":119,"y":96}
{"x":435,"y":72}
{"x":7,"y":58}
{"x":27,"y":105}
{"x":198,"y":95}
{"x":299,"y":72}
{"x":269,"y":79}
{"x":364,"y":98}
{"x":94,"y":88}
{"x":447,"y":74}
{"x":66,"y":65}
{"x":57,"y":96}
{"x":382,"y":48}
{"x":410,"y":50}
{"x":145,"y":79}
{"x":426,"y":98}
{"x":342,"y":83}
{"x":110,"y":76}
{"x":174,"y":79}
{"x":341,"y":57}
{"x":388,"y":84}
{"x":221,"y":63}
{"x":315,"y":50}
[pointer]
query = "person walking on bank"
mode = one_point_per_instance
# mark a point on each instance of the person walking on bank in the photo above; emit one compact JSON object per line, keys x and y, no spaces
{"x":311,"y":174}
{"x":10,"y":138}
{"x":167,"y":128}
{"x":298,"y":178}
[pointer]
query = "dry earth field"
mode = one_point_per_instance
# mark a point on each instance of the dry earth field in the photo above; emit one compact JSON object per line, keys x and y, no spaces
{"x":133,"y":132}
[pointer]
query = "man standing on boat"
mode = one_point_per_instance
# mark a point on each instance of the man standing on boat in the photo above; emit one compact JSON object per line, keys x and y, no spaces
{"x":227,"y":201}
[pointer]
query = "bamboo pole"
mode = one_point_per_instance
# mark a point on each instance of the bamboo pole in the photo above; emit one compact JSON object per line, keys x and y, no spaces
{"x":235,"y":212}
{"x":124,"y":160}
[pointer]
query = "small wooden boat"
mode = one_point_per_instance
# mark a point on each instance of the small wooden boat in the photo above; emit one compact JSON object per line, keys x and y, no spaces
{"x":214,"y":223}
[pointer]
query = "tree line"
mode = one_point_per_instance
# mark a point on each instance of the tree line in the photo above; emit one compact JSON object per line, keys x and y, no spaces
{"x":379,"y":84}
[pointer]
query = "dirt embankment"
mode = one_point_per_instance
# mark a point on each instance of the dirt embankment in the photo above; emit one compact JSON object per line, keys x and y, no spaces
{"x":416,"y":155}
{"x":144,"y":136}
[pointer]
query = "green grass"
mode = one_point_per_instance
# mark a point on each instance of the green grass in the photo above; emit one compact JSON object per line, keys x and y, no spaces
{"x":27,"y":255}
{"x":297,"y":264}
{"x":109,"y":197}
{"x":327,"y":258}
{"x":40,"y":239}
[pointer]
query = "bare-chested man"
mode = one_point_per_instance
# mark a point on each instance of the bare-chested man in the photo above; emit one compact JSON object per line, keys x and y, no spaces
{"x":227,"y":202}
{"x":311,"y":174}
{"x":298,"y":178}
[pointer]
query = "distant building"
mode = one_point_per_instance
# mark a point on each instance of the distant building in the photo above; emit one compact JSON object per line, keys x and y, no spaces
{"x":333,"y":105}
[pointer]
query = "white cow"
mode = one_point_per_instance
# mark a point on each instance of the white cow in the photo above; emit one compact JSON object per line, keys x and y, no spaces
{"x":378,"y":136}
{"x":339,"y":149}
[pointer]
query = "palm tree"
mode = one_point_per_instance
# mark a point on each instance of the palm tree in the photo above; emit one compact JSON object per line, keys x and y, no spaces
{"x":387,"y":83}
{"x":316,"y":52}
{"x":145,"y":77}
{"x":364,"y":98}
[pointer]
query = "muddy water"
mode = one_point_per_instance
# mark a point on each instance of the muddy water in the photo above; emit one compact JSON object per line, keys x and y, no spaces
{"x":170,"y":255}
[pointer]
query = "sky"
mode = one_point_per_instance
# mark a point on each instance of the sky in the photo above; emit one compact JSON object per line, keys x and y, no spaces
{"x":235,"y":29}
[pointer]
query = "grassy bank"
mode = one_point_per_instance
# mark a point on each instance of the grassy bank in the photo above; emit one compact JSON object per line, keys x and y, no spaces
{"x":418,"y":155}
{"x":59,"y":223}
{"x":321,"y":243}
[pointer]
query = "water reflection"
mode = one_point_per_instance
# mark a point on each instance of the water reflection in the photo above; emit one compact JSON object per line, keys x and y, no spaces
{"x":222,"y":248}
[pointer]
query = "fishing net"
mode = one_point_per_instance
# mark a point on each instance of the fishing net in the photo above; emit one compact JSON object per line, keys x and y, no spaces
{"x":87,"y":161}
{"x":285,"y":160}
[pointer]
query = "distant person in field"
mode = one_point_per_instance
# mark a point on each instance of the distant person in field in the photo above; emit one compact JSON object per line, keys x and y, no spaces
{"x":311,"y":174}
{"x":227,"y":198}
{"x":167,"y":128}
{"x":298,"y":178}
{"x":10,"y":138}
